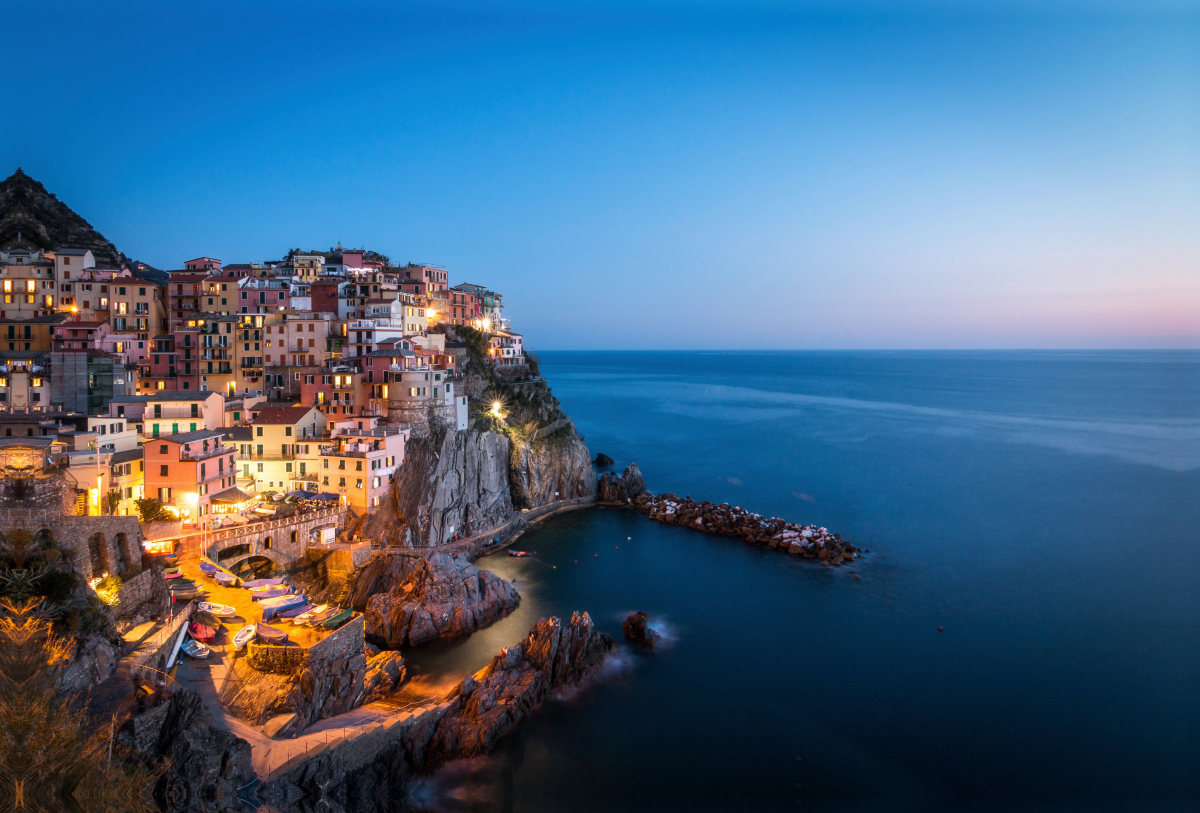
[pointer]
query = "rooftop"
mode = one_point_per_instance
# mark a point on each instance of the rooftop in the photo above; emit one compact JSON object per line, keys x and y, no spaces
{"x":164,"y":396}
{"x":281,"y":414}
{"x":191,"y":437}
{"x":127,"y":456}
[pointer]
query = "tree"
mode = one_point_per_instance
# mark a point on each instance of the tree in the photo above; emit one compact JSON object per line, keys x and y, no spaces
{"x":151,"y":510}
{"x":114,"y":500}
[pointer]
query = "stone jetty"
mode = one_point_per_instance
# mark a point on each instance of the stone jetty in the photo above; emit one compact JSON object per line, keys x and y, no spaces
{"x":808,"y":541}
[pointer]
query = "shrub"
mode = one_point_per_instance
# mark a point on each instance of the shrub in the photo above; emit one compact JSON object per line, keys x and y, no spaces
{"x":151,"y":510}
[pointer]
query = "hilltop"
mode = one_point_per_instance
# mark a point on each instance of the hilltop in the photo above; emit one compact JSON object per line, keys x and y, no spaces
{"x":32,"y":217}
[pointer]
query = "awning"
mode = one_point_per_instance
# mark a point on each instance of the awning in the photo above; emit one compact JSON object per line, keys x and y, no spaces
{"x":327,"y":497}
{"x":232,"y":496}
{"x":302,"y":495}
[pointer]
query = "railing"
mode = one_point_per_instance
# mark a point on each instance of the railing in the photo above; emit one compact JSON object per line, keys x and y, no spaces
{"x":226,"y":534}
{"x":205,"y":454}
{"x":343,"y":452}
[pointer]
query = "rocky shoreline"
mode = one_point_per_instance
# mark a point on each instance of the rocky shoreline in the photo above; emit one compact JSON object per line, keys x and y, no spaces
{"x":723,"y":519}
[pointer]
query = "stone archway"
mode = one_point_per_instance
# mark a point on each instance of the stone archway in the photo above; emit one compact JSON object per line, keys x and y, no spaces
{"x":98,"y":553}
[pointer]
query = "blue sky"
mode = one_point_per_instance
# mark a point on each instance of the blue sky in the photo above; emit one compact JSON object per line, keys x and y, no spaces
{"x":663,"y":175}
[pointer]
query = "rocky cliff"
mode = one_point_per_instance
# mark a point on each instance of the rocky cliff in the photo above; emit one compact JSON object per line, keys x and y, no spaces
{"x":444,"y":597}
{"x":203,"y":764}
{"x":519,"y":451}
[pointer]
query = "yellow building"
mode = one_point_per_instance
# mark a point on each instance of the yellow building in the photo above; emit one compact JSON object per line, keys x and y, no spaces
{"x":308,"y":267}
{"x":127,"y":479}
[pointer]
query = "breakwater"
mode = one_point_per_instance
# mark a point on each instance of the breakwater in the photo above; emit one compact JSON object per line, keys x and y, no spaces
{"x":723,"y":519}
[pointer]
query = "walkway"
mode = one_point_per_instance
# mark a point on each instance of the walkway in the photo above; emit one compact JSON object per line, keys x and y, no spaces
{"x":269,"y":756}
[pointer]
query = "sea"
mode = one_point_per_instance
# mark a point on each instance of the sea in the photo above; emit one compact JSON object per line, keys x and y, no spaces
{"x":1024,"y":634}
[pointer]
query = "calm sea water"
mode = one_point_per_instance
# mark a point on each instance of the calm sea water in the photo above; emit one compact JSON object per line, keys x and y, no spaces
{"x":1044,"y":508}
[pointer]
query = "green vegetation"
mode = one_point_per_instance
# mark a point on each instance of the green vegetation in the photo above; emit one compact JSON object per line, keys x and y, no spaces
{"x":151,"y":510}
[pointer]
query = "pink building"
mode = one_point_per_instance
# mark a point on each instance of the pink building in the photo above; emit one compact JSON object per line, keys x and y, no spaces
{"x":185,"y":471}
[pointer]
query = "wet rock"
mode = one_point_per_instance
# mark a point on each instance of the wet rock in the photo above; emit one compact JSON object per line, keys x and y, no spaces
{"x":603,"y":461}
{"x":385,"y":673}
{"x":637,"y":631}
{"x":624,"y":489}
{"x":444,"y":597}
{"x":490,"y":702}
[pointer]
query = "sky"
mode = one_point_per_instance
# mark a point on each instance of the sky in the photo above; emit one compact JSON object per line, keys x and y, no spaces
{"x":655,"y":175}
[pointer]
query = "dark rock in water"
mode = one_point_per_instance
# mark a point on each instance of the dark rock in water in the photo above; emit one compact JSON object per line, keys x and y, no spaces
{"x":629,"y":486}
{"x":445,"y":597}
{"x":637,"y":631}
{"x":603,"y":461}
{"x":632,"y":483}
{"x":608,"y":488}
{"x":490,"y":702}
{"x":204,"y":764}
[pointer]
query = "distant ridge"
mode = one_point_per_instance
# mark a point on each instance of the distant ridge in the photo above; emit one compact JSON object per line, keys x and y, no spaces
{"x":31,"y":217}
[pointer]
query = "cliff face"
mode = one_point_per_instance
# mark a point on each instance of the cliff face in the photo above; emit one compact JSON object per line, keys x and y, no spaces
{"x":453,"y":483}
{"x":554,"y":466}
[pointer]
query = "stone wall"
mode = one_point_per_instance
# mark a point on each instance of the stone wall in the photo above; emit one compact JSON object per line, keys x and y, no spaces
{"x":45,"y":491}
{"x":273,"y":539}
{"x":278,"y":660}
{"x":94,"y":545}
{"x":145,"y":594}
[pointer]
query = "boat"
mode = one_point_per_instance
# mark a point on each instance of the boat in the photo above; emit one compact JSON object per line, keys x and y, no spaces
{"x":186,"y":595}
{"x":296,"y":611}
{"x":201,"y":633}
{"x":303,"y":617}
{"x":335,"y":621}
{"x":270,"y":635}
{"x":182,"y":584}
{"x":172,"y":573}
{"x":208,"y":620}
{"x":194,"y":649}
{"x":278,"y":592}
{"x":208,"y":568}
{"x":244,"y":636}
{"x":219,"y":610}
{"x":272,"y":609}
{"x":522,"y":552}
{"x":317,"y":618}
{"x":250,"y":585}
{"x":226,"y":579}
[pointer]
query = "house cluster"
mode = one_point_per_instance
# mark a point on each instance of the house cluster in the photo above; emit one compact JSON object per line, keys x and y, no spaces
{"x":213,"y":386}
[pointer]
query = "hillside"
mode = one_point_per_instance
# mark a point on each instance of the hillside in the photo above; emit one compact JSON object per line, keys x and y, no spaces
{"x":33,"y":217}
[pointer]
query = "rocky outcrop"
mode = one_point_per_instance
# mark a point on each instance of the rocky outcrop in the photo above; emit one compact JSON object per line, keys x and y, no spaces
{"x":95,"y":661}
{"x":452,"y":483}
{"x":372,"y":773}
{"x":385,"y":672}
{"x":494,"y":699}
{"x":444,"y":597}
{"x":638,"y":632}
{"x":204,"y":764}
{"x":603,"y":461}
{"x":808,"y":541}
{"x":380,"y":574}
{"x":629,"y":486}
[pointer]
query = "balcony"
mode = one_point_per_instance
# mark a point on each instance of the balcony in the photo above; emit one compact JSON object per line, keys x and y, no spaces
{"x":205,"y":454}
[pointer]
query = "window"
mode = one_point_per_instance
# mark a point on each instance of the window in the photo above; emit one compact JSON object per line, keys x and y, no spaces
{"x":324,"y":462}
{"x":162,"y":471}
{"x":258,"y":431}
{"x":341,"y":482}
{"x":287,"y":431}
{"x":358,"y":483}
{"x":260,"y":465}
{"x":358,"y":465}
{"x":324,"y":481}
{"x":374,"y":482}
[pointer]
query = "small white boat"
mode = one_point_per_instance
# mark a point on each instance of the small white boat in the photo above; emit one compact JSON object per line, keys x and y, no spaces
{"x":219,"y":610}
{"x":244,"y":636}
{"x":303,"y":617}
{"x":194,"y":649}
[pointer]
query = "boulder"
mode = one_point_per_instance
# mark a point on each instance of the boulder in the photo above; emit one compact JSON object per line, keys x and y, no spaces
{"x":628,"y":487}
{"x":603,"y":461}
{"x":637,"y":631}
{"x":632,"y":482}
{"x":385,"y":673}
{"x":444,"y":597}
